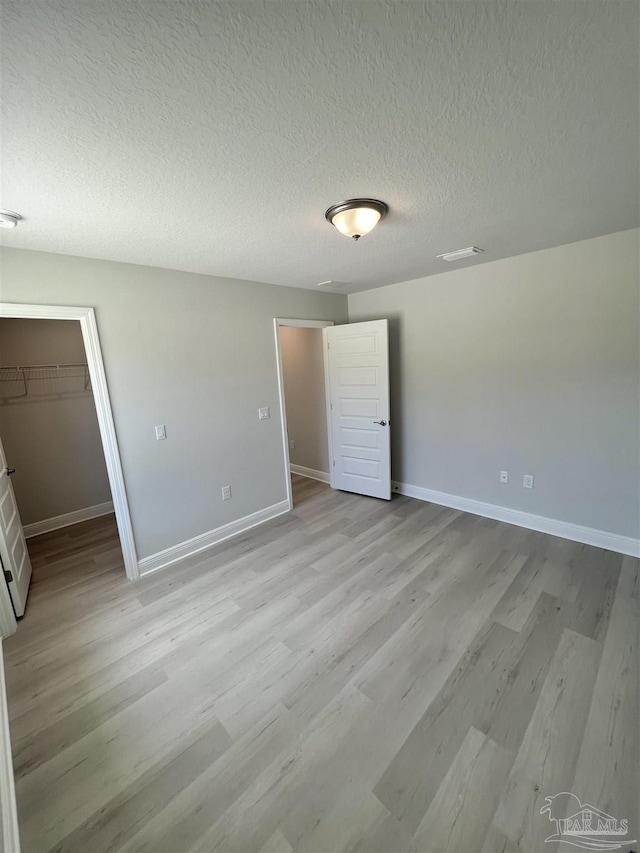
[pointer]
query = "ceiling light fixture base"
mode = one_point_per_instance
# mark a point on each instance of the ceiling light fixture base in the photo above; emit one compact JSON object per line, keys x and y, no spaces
{"x":9,"y":218}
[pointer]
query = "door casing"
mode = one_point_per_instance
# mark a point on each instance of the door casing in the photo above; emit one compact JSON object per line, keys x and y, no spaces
{"x":277,"y":324}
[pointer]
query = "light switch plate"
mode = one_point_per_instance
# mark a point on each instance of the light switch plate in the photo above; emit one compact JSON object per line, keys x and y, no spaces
{"x":161,"y":432}
{"x":264,"y":413}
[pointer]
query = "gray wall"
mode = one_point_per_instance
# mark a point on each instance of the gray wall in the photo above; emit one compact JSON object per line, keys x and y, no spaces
{"x":303,"y":372}
{"x":51,"y":436}
{"x":193,"y":352}
{"x":529,"y":364}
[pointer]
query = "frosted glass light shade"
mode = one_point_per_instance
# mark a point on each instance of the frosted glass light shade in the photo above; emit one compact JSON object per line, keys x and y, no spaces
{"x":9,"y":218}
{"x":356,"y":217}
{"x":356,"y":222}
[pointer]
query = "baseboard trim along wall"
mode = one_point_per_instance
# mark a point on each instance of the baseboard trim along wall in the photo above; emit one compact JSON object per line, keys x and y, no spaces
{"x":8,"y":811}
{"x":309,"y":472}
{"x":165,"y":558}
{"x":563,"y":529}
{"x":67,"y":519}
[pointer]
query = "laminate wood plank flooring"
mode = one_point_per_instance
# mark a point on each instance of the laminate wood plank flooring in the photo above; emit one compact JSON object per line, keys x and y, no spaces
{"x":356,"y":675}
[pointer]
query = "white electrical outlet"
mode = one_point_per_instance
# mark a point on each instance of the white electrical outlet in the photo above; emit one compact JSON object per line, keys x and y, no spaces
{"x":264,"y":413}
{"x":161,"y":432}
{"x":292,"y":444}
{"x":504,"y":476}
{"x":226,"y":493}
{"x":527,"y":481}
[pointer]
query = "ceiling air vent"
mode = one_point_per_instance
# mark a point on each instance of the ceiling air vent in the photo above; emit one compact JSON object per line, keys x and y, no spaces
{"x":332,"y":284}
{"x":459,"y":254}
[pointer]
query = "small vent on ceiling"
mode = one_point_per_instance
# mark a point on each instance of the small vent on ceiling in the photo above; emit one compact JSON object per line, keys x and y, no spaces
{"x":331,"y":284}
{"x":461,"y":253}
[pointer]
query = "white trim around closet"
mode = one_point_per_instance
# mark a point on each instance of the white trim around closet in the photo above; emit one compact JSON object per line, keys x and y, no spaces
{"x":88,"y":325}
{"x":8,"y":811}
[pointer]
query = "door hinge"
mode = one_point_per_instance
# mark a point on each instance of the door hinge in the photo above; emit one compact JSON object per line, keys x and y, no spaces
{"x":328,"y":345}
{"x":334,"y":463}
{"x":8,"y":576}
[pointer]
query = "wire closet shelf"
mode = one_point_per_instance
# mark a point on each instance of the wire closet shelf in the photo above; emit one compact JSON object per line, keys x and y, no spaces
{"x":18,"y":378}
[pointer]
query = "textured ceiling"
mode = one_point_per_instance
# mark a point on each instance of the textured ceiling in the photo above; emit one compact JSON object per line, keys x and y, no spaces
{"x":211,"y":137}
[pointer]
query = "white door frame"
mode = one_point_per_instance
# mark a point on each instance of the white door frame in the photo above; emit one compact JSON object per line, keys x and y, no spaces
{"x":9,"y":832}
{"x":89,"y":328}
{"x":305,"y":324}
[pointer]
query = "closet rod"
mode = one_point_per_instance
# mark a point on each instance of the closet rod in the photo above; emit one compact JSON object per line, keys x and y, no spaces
{"x":25,"y":372}
{"x":44,"y":366}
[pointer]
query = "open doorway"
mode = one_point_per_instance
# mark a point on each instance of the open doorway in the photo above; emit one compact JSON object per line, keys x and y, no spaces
{"x":56,"y":422}
{"x":354,"y":371}
{"x":303,"y":400}
{"x":48,"y":425}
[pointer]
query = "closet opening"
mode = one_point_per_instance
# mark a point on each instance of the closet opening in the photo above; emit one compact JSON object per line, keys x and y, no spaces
{"x":61,"y":484}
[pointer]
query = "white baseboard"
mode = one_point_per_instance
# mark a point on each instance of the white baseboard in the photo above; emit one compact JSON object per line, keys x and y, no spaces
{"x":68,"y":518}
{"x":8,"y":811}
{"x":563,"y":529}
{"x":309,"y":472}
{"x":205,"y":540}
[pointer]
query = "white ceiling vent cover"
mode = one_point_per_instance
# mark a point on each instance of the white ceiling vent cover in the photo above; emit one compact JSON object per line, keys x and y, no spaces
{"x":334,"y":284}
{"x":459,"y":254}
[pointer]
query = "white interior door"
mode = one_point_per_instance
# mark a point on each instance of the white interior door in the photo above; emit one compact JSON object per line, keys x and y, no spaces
{"x":13,"y":548}
{"x":357,"y":367}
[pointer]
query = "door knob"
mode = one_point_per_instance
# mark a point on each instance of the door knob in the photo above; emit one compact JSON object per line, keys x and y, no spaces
{"x":11,"y":471}
{"x":382,"y":423}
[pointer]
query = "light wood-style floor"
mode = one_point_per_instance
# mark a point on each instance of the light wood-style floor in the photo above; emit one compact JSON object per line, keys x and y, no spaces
{"x":357,"y":675}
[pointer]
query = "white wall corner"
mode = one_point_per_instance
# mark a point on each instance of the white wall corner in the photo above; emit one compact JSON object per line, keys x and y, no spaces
{"x":554,"y":527}
{"x":322,"y":476}
{"x":172,"y":555}
{"x":67,"y":519}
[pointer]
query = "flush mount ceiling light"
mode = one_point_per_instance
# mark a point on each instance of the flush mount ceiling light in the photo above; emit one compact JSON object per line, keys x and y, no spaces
{"x":459,"y":254}
{"x":9,"y":219}
{"x":357,"y":216}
